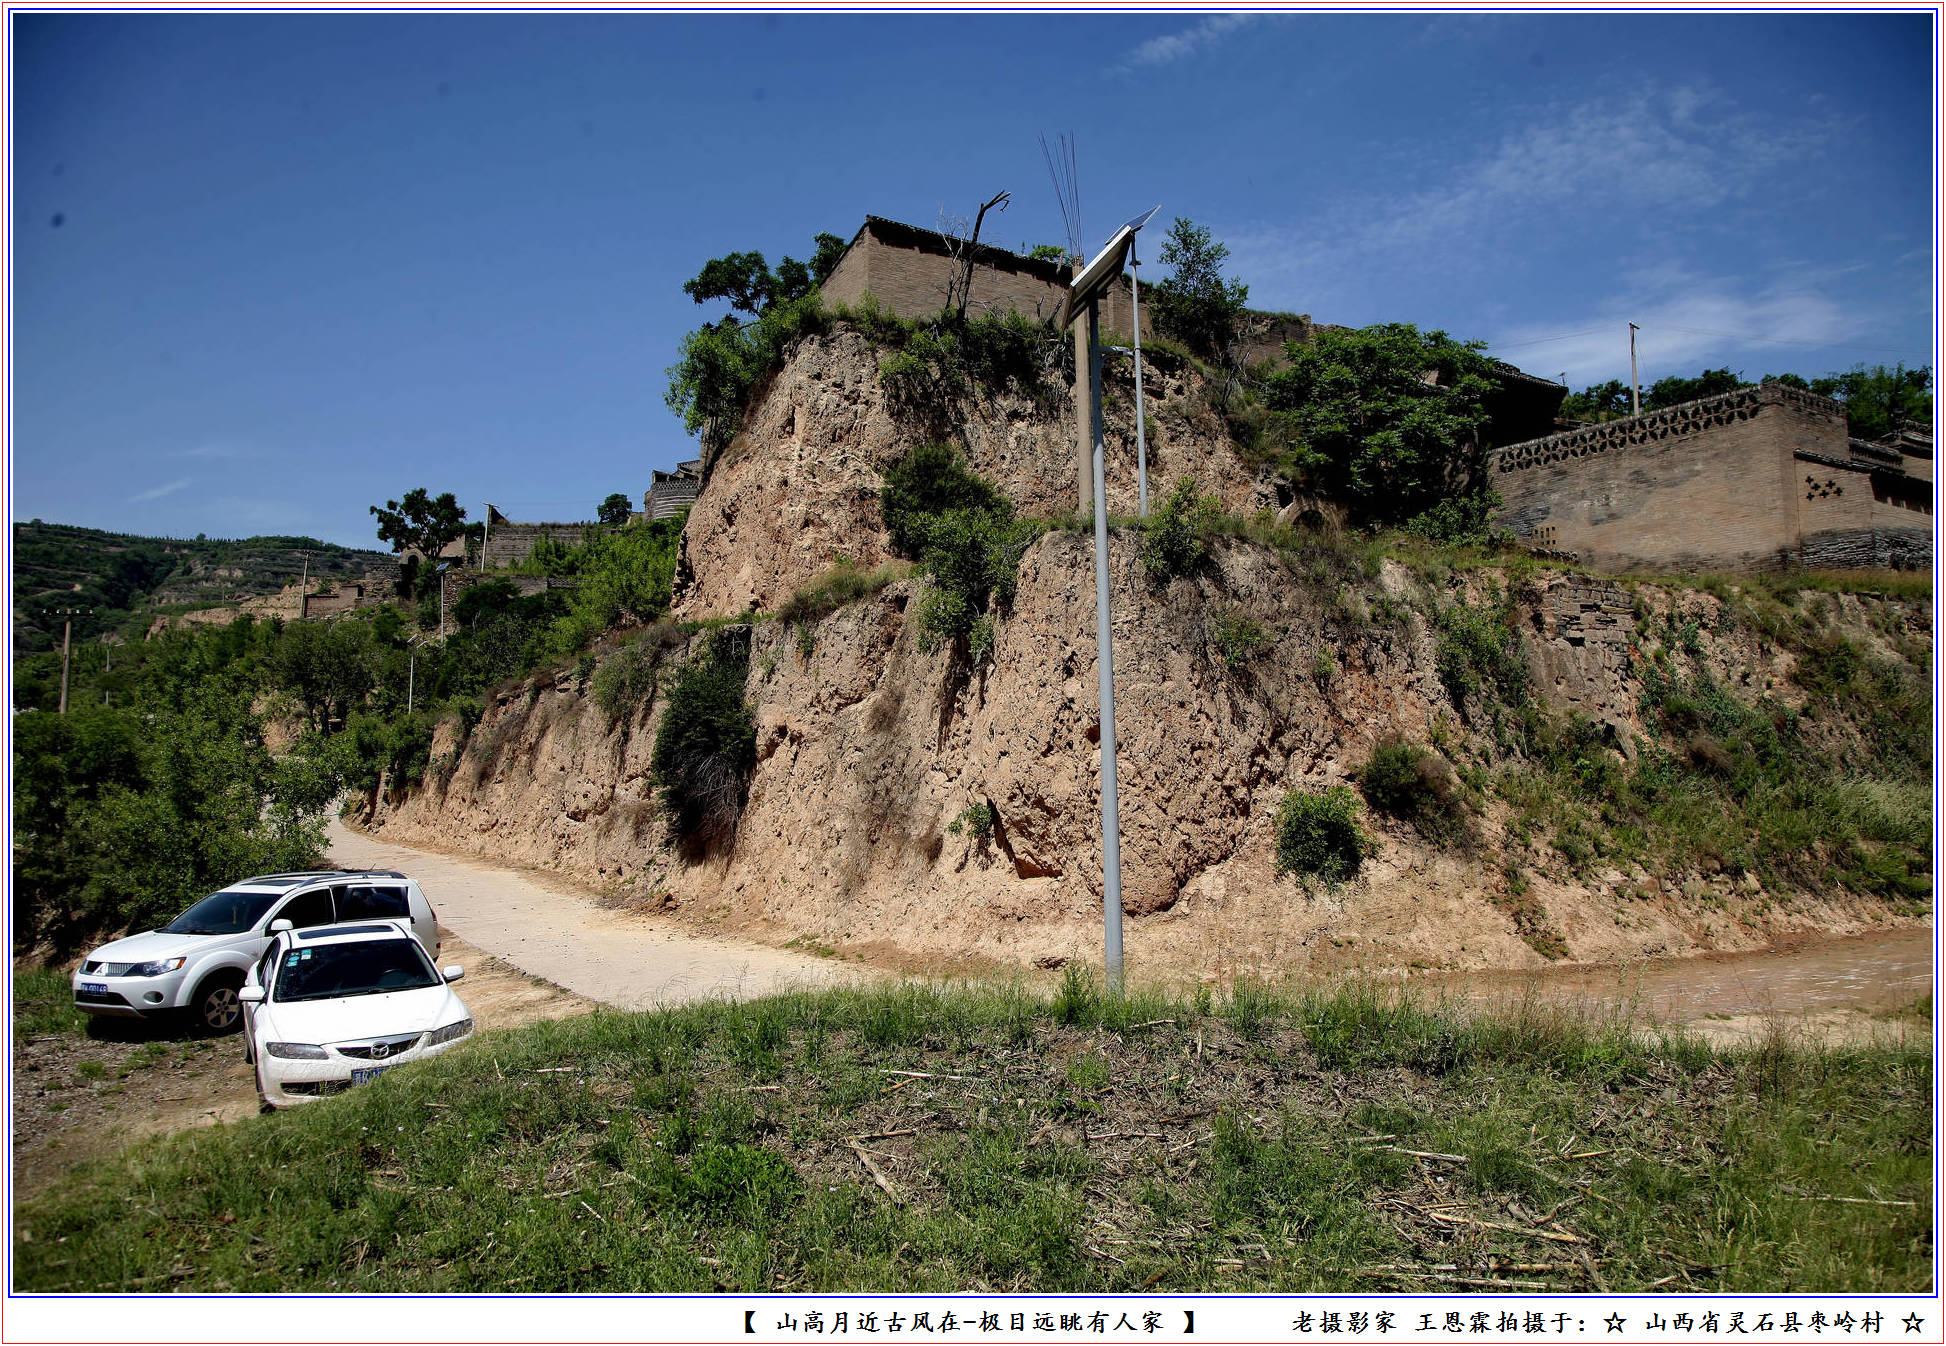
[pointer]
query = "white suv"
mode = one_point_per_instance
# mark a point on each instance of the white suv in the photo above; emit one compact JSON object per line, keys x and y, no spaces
{"x":199,"y":961}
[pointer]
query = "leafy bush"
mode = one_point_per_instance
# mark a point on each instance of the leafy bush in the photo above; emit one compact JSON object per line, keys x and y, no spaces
{"x":722,"y":363}
{"x":1319,"y":836}
{"x":930,"y":481}
{"x":706,"y":744}
{"x":626,"y":575}
{"x":1176,"y":540}
{"x":1386,"y":418}
{"x":976,"y":820}
{"x":1479,"y":654}
{"x":1404,"y":780}
{"x":122,"y":819}
{"x":1459,"y":519}
{"x":936,"y":364}
{"x":967,"y":540}
{"x":625,"y":681}
{"x":395,"y":752}
{"x":971,"y":556}
{"x":1237,"y":636}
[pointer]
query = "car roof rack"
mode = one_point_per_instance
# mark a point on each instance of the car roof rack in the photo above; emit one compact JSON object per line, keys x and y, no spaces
{"x":331,"y":931}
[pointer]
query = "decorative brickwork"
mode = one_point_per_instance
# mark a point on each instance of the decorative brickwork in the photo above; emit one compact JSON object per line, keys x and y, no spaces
{"x":1756,"y":479}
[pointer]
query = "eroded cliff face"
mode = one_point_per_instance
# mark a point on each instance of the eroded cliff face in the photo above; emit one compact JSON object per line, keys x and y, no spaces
{"x":869,"y":749}
{"x":798,"y":486}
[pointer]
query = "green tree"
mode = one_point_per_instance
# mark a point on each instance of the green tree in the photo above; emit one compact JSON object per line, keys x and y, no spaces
{"x":614,"y":510}
{"x":1598,"y":402}
{"x":930,"y":481}
{"x":328,"y":667}
{"x":745,"y":281}
{"x":1880,"y":400}
{"x":1197,"y":303}
{"x":1675,"y":390}
{"x":421,"y":522}
{"x":1386,"y":418}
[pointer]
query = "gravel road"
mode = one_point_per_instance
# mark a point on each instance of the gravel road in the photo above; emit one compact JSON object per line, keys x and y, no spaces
{"x":546,"y":927}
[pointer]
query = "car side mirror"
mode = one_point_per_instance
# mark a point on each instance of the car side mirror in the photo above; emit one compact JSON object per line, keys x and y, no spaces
{"x":279,"y":926}
{"x":251,"y":995}
{"x":452,"y":972}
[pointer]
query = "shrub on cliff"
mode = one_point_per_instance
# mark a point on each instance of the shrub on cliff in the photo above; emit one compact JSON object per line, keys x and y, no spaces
{"x":965,"y":535}
{"x":1319,"y":836}
{"x":1404,"y":780}
{"x":1386,"y":418}
{"x":932,"y":480}
{"x":706,"y":744}
{"x":1479,"y":655}
{"x":1175,"y":541}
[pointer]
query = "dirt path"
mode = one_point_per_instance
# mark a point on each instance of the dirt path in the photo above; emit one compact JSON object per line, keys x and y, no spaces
{"x":77,"y":1096}
{"x":543,"y":925}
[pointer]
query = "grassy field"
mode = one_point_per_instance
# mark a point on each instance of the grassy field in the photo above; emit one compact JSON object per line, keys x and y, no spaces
{"x":941,"y":1139}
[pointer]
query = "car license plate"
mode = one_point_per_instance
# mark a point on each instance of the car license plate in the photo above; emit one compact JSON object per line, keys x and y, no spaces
{"x":365,"y":1074}
{"x":95,"y":987}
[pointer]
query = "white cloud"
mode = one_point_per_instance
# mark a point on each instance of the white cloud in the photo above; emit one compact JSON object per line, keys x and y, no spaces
{"x":157,"y":492}
{"x":1689,"y":323}
{"x":1650,"y":157}
{"x":221,"y":452}
{"x":1175,"y":46}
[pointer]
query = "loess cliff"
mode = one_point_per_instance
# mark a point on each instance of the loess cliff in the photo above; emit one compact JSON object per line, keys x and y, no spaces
{"x":872,"y":755}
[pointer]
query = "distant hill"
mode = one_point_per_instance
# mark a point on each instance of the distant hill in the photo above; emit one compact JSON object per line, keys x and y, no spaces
{"x":120,"y":575}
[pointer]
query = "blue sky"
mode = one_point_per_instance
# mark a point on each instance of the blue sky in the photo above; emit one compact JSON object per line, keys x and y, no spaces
{"x":271,"y":270}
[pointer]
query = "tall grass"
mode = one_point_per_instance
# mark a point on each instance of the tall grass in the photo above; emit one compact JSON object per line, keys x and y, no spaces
{"x":1270,"y":1139}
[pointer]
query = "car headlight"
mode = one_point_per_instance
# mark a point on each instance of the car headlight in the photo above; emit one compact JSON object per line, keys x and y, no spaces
{"x":156,"y":968}
{"x":296,"y":1051}
{"x":449,"y":1032}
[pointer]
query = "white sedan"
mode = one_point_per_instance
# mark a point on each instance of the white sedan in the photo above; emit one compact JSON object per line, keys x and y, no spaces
{"x":334,"y":1006}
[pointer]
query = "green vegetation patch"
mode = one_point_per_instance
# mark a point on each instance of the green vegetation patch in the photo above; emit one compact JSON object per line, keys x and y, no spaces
{"x":706,"y":741}
{"x":930,"y":1140}
{"x":1319,"y":835}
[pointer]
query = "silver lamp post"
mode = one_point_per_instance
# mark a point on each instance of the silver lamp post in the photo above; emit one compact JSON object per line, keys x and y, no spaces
{"x":1086,"y":291}
{"x":1135,"y":321}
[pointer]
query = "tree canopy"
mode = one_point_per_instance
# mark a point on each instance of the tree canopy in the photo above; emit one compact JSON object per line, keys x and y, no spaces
{"x":1197,"y":303}
{"x":1386,"y":418}
{"x":745,"y":281}
{"x":421,"y":522}
{"x":614,"y":510}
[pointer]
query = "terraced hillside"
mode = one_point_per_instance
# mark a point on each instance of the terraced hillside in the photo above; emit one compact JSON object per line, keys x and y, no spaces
{"x":119,"y":575}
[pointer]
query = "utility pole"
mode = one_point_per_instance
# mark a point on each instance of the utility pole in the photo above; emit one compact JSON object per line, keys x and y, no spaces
{"x":1086,"y":291}
{"x":1111,"y":813}
{"x":1141,"y":441}
{"x":67,"y":616}
{"x":1086,"y":393}
{"x":1634,"y":379}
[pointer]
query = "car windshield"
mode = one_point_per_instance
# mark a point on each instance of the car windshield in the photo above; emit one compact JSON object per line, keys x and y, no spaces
{"x":369,"y":967}
{"x":222,"y":914}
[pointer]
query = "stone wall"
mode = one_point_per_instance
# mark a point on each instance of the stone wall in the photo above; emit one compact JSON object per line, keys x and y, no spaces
{"x":1757,"y":479}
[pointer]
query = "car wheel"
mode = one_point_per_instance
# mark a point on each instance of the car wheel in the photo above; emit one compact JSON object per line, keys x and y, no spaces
{"x":215,"y":1009}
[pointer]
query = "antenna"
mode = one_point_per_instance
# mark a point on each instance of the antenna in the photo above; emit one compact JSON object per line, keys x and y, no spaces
{"x":1062,"y":172}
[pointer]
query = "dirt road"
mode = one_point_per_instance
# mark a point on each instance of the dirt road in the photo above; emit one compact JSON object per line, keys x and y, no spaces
{"x":545,"y":926}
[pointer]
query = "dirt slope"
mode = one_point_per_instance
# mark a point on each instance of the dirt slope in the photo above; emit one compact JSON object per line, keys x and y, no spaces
{"x":868,"y":749}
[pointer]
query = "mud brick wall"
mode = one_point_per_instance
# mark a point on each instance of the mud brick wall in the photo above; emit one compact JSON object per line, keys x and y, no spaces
{"x":1716,"y":484}
{"x":913,"y":282}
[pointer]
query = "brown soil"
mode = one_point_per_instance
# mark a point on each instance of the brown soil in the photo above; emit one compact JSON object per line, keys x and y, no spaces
{"x":77,"y":1098}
